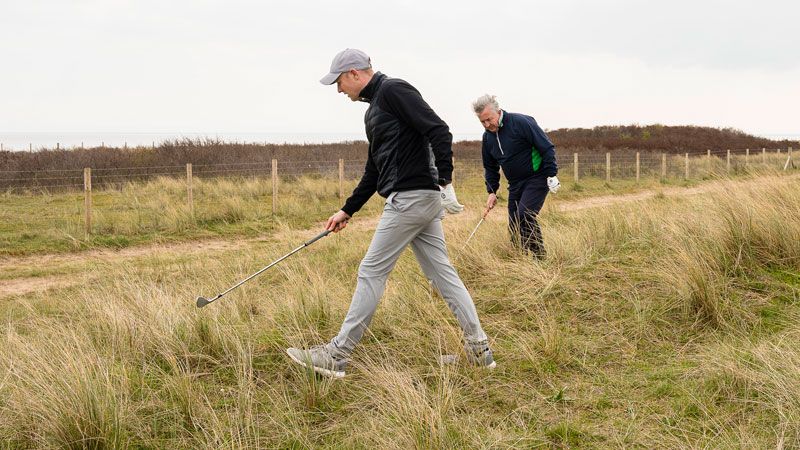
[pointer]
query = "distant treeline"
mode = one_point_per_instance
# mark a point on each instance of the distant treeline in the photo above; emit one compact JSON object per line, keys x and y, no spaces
{"x":625,"y":139}
{"x":672,"y":139}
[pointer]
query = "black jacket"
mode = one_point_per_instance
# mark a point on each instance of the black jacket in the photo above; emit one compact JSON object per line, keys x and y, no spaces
{"x":410,"y":147}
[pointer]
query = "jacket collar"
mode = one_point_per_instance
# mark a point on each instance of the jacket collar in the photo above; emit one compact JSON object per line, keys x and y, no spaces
{"x":368,"y":93}
{"x":499,"y":122}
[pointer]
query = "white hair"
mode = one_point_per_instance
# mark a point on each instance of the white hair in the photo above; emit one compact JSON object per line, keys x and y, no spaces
{"x":483,"y":101}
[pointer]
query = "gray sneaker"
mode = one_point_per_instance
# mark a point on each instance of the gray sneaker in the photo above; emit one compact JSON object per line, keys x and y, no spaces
{"x":320,"y":359}
{"x":479,"y":354}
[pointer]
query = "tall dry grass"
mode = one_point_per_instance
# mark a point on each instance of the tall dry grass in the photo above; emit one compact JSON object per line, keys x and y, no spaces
{"x":663,"y":323}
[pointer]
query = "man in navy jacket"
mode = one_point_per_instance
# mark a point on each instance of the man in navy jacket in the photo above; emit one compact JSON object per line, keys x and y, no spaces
{"x":516,"y":143}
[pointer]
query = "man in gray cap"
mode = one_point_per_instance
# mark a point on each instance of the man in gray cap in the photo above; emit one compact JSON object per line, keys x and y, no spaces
{"x":410,"y":163}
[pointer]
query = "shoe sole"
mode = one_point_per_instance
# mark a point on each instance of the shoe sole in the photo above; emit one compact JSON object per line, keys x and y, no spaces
{"x":319,"y":370}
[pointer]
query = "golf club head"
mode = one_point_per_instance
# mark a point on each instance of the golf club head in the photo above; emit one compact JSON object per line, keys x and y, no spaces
{"x":202,"y":301}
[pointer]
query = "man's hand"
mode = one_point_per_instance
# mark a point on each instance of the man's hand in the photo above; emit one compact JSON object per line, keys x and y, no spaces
{"x":553,"y":184}
{"x":490,"y":203}
{"x":449,"y":200}
{"x":337,"y":222}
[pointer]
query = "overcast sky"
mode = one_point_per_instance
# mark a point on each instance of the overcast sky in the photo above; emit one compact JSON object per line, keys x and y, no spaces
{"x":253,"y":66}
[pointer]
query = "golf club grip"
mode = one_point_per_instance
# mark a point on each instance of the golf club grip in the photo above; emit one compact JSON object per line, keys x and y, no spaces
{"x":318,"y":237}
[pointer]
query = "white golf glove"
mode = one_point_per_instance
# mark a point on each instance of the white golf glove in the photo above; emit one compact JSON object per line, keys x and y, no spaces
{"x":449,"y":200}
{"x":553,"y":184}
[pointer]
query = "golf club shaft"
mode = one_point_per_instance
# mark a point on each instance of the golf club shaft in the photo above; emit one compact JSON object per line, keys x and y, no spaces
{"x":483,"y":217}
{"x":474,"y":230}
{"x":305,"y":244}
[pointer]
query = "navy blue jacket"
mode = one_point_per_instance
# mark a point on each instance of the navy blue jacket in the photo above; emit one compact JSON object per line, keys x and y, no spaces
{"x":521,"y":148}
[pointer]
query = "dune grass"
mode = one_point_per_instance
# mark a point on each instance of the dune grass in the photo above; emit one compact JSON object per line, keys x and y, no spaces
{"x":671,"y":322}
{"x":157,"y":211}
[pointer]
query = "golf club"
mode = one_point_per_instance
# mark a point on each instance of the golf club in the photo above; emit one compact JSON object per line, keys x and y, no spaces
{"x":483,"y":217}
{"x":202,"y":301}
{"x":485,"y":213}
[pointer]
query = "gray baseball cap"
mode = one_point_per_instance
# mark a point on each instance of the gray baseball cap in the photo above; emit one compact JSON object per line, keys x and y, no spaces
{"x":349,"y":58}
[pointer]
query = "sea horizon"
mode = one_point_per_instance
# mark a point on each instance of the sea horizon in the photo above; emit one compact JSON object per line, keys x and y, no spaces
{"x":23,"y":141}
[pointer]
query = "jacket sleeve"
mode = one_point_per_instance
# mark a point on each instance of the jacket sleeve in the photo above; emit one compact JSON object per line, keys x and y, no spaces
{"x":491,"y":168}
{"x":409,"y":106}
{"x":542,"y":143}
{"x":366,"y":187}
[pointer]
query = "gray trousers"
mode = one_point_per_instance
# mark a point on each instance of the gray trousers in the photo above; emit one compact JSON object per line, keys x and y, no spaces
{"x":409,"y":217}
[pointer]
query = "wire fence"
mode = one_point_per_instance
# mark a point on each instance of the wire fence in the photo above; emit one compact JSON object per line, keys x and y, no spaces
{"x":54,"y":180}
{"x":107,"y":203}
{"x":572,"y":166}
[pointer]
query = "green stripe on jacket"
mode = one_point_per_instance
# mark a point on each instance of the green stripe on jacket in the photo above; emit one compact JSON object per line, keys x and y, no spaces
{"x":536,"y":159}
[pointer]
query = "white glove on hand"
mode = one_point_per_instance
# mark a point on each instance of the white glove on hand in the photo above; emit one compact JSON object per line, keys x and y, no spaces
{"x":553,"y":184}
{"x":449,"y":200}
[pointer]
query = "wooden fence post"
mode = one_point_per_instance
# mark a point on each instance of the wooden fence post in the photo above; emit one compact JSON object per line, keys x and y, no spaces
{"x":746,"y":157}
{"x":763,"y":155}
{"x":708,"y":160}
{"x":274,"y":186}
{"x":663,"y":166}
{"x":608,"y":166}
{"x":87,"y":199}
{"x":686,"y":172}
{"x":788,"y":159}
{"x":189,"y":190}
{"x":575,"y":168}
{"x":729,"y":161}
{"x":637,"y":167}
{"x":453,"y":175}
{"x":341,"y":178}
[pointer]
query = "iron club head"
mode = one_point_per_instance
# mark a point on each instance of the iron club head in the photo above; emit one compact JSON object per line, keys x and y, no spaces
{"x":202,"y":301}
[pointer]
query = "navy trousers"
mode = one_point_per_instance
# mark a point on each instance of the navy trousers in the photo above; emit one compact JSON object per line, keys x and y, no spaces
{"x":524,"y":204}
